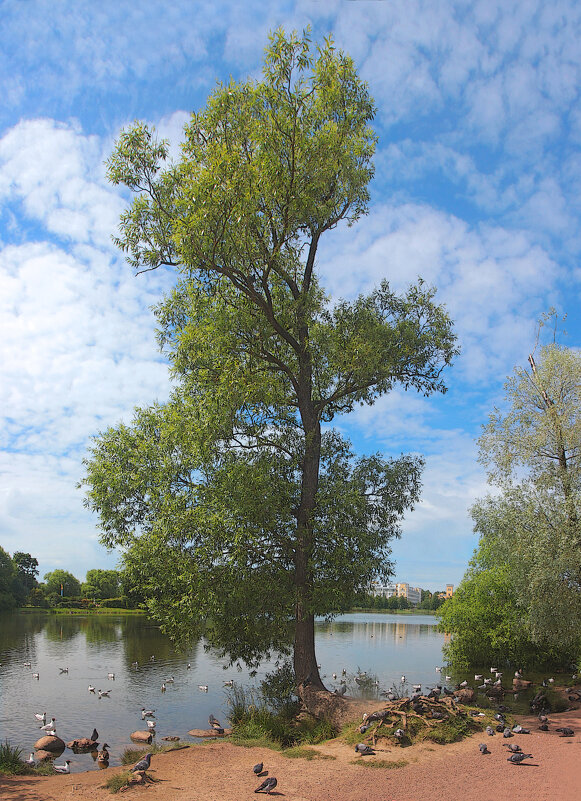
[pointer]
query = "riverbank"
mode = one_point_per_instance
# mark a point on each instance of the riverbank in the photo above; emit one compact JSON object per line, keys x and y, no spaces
{"x":220,"y":771}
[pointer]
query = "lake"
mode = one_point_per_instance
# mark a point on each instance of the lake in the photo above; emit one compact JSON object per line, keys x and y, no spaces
{"x":386,"y":646}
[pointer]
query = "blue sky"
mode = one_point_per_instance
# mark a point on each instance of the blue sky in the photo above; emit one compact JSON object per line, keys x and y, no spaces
{"x":477,"y":190}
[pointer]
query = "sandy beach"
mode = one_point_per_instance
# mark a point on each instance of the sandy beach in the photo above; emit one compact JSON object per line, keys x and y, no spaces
{"x":220,"y":771}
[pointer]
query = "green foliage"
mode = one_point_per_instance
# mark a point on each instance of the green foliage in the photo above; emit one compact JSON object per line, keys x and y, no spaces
{"x":520,"y":601}
{"x":71,"y":587}
{"x":100,"y":584}
{"x":11,"y":760}
{"x":7,"y":575}
{"x":234,"y":482}
{"x":303,"y":752}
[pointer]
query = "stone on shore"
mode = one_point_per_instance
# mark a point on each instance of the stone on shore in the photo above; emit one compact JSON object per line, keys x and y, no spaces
{"x":141,"y":736}
{"x":44,"y":756}
{"x":209,"y":732}
{"x":50,"y":743}
{"x":521,"y":684}
{"x":466,"y":695}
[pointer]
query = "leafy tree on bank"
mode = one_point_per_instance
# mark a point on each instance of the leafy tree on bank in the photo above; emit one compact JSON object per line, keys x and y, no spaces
{"x":26,"y":571}
{"x":521,"y":598}
{"x":57,"y":579}
{"x":7,"y":577}
{"x":231,"y":501}
{"x":101,"y":584}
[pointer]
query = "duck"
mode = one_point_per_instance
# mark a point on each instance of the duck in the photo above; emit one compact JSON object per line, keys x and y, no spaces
{"x":229,"y":683}
{"x":170,"y":680}
{"x":28,"y":664}
{"x":63,"y":768}
{"x":103,"y":754}
{"x":135,"y":664}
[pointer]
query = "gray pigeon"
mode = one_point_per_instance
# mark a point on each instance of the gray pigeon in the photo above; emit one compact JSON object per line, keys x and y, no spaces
{"x":364,"y":750}
{"x":513,"y":747}
{"x":490,"y":731}
{"x":518,"y":729}
{"x":544,"y":727}
{"x":507,"y":733}
{"x":483,"y":748}
{"x":258,"y":768}
{"x":518,"y":758}
{"x":267,"y":785}
{"x":143,"y":764}
{"x":565,"y":731}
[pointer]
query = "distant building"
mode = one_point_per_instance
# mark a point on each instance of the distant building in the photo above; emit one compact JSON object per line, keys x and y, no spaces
{"x":449,"y":592}
{"x":401,"y":590}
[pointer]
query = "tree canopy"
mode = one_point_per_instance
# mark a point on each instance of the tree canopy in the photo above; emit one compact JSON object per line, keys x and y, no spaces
{"x":71,"y":586}
{"x":530,"y":545}
{"x":235,"y":501}
{"x":101,"y":584}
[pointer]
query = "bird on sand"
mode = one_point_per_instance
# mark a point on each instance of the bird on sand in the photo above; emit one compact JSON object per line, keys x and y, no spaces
{"x":483,"y":748}
{"x":514,"y":747}
{"x":63,"y":768}
{"x":257,"y":769}
{"x":103,"y":754}
{"x":565,"y":731}
{"x":516,"y":759}
{"x":267,"y":785}
{"x":364,"y":749}
{"x":143,"y":764}
{"x":490,"y":731}
{"x":507,"y":732}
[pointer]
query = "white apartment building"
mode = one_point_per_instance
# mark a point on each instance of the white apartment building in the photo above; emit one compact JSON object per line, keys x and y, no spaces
{"x":401,"y":589}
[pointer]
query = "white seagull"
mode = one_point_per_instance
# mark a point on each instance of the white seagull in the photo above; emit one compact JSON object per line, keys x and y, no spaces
{"x":42,"y":717}
{"x":203,"y":687}
{"x":63,"y":768}
{"x":147,"y":713}
{"x":150,"y":724}
{"x":103,"y":693}
{"x":90,"y":688}
{"x":31,"y":760}
{"x":49,"y":726}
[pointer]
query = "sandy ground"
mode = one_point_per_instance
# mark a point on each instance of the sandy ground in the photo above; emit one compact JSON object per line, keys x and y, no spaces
{"x":220,"y":771}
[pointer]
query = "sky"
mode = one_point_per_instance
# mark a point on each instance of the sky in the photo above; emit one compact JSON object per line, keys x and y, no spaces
{"x":477,"y":190}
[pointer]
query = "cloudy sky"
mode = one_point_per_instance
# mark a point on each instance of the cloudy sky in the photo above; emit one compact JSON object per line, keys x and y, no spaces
{"x":477,"y":190}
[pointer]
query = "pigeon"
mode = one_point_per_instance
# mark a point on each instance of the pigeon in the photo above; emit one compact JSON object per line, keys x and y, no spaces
{"x":257,"y":769}
{"x":63,"y":768}
{"x":499,"y":717}
{"x":544,"y":727}
{"x":500,"y":727}
{"x":483,"y":748}
{"x":143,"y":764}
{"x":363,"y":729}
{"x":341,"y":689}
{"x":364,"y":749}
{"x":518,"y":758}
{"x":513,"y":747}
{"x":490,"y":731}
{"x":518,"y":729}
{"x":267,"y":785}
{"x":507,"y":733}
{"x":399,"y":733}
{"x":565,"y":731}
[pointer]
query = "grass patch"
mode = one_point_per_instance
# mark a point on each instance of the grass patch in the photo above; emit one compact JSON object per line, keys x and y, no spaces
{"x":11,"y":760}
{"x":304,"y":752}
{"x":132,"y":755}
{"x":118,"y":782}
{"x":387,"y":764}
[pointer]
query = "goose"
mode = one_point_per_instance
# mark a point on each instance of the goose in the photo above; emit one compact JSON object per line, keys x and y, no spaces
{"x":90,"y":688}
{"x":42,"y":717}
{"x":147,"y":713}
{"x":203,"y":687}
{"x":31,"y":760}
{"x":50,"y":725}
{"x":103,"y":754}
{"x":63,"y":768}
{"x":103,"y":693}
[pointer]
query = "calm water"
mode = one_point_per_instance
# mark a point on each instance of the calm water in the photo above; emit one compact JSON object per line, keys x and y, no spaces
{"x":386,"y":646}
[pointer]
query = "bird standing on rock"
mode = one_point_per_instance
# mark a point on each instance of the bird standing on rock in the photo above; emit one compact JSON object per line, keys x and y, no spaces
{"x":267,"y":785}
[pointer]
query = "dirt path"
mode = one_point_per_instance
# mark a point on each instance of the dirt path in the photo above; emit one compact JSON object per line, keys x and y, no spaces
{"x":219,"y":771}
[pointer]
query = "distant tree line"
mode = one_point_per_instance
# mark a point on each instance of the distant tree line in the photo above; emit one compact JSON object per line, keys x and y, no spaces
{"x":19,"y":586}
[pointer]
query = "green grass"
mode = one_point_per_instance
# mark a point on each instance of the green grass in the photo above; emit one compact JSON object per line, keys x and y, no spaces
{"x":11,"y":760}
{"x":118,"y":781}
{"x":132,"y":755}
{"x":304,"y":752}
{"x":386,"y":764}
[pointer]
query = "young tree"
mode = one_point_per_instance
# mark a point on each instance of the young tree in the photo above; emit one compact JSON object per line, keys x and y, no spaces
{"x":26,"y":567}
{"x":101,"y":584}
{"x":57,"y":579}
{"x":261,"y":511}
{"x":530,"y":535}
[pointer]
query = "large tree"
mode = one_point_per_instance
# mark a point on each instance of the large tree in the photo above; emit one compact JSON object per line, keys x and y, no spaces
{"x":530,"y":538}
{"x":235,"y":501}
{"x":61,"y":582}
{"x":101,"y":584}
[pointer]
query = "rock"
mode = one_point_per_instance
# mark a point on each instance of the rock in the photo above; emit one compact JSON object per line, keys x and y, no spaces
{"x":495,"y":692}
{"x":209,"y":732}
{"x":521,"y":684}
{"x":50,"y":743}
{"x":466,"y":695}
{"x":172,"y":738}
{"x":44,"y":756}
{"x":141,"y":736}
{"x":82,"y":744}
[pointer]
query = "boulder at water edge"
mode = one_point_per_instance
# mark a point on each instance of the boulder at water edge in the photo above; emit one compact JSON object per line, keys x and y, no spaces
{"x":44,"y":756}
{"x":141,"y":736}
{"x":53,"y":744}
{"x":465,"y":695}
